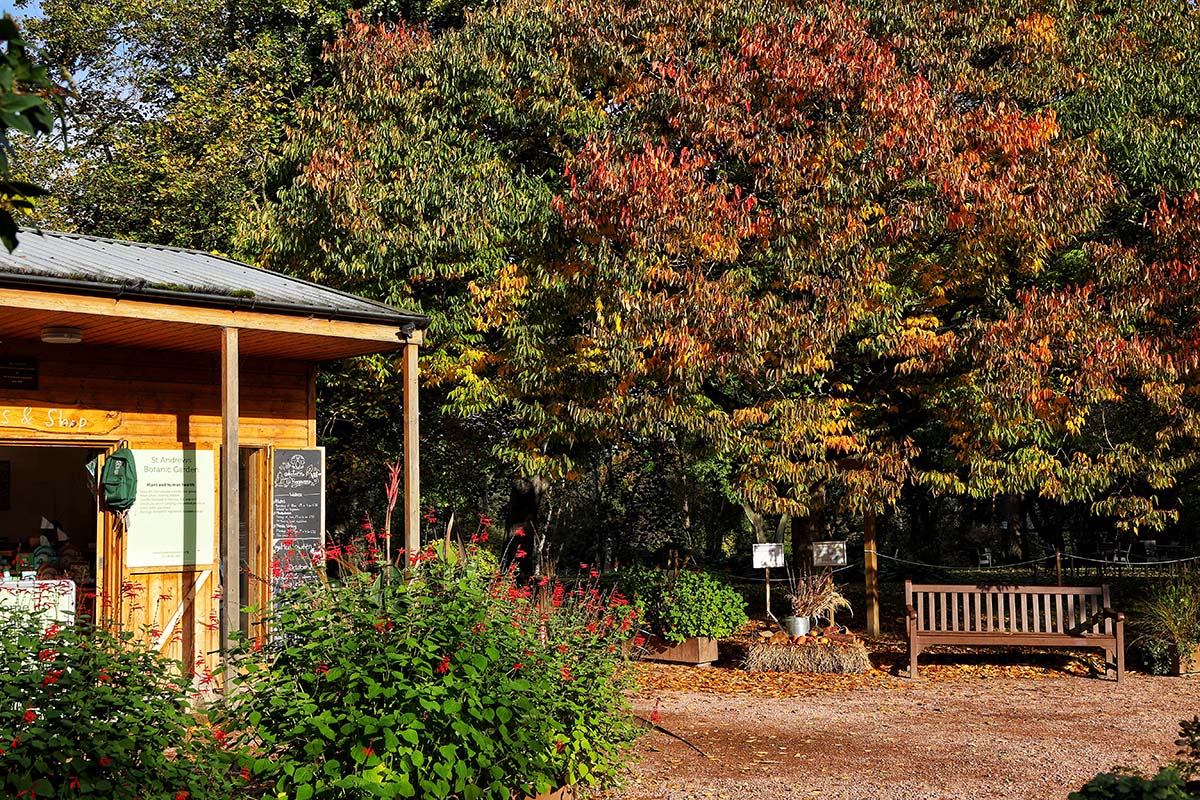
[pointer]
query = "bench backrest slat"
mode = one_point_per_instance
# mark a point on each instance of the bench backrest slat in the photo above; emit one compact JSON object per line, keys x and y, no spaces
{"x":1006,"y":609}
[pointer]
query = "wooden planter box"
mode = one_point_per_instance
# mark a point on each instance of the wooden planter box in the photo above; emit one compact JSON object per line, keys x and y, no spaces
{"x":698,"y":650}
{"x":1186,"y":662}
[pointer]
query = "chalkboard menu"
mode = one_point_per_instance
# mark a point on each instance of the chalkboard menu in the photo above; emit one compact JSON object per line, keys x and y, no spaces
{"x":298,"y":517}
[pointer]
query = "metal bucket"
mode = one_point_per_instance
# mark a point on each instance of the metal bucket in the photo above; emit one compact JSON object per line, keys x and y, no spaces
{"x":796,"y":626}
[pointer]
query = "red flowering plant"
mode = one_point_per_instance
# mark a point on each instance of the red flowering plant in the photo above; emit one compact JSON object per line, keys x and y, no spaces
{"x":454,"y":682}
{"x":87,"y":713}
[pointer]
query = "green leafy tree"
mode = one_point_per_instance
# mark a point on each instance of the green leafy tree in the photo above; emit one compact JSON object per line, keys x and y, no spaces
{"x":28,"y":99}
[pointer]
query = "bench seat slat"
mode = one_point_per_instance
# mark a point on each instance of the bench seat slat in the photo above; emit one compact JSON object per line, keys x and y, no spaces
{"x":1013,"y":639}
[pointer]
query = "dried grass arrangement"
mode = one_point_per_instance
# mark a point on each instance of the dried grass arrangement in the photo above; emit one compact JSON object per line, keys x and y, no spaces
{"x":812,"y":656}
{"x":815,"y":595}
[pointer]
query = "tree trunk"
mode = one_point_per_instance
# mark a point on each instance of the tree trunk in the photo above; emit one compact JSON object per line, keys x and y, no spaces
{"x":805,"y":531}
{"x":524,"y":503}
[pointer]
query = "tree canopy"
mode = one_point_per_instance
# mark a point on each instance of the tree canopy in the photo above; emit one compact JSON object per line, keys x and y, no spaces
{"x":793,"y":255}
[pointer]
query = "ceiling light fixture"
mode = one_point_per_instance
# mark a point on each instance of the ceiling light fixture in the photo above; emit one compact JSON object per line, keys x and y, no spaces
{"x":61,"y":335}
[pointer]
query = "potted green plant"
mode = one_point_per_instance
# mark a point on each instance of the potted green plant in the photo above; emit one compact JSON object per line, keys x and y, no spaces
{"x":684,"y":612}
{"x":811,"y":596}
{"x":1168,"y":622}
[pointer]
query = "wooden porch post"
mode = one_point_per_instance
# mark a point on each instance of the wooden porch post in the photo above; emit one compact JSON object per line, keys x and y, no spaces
{"x":871,"y":568}
{"x":231,"y":601}
{"x":412,"y":453}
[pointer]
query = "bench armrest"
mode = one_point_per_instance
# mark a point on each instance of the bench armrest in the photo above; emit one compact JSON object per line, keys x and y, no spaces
{"x":912,"y":612}
{"x":1095,"y":619}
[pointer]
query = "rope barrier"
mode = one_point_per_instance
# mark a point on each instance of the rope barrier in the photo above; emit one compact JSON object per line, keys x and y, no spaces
{"x":1074,"y":557}
{"x":731,"y":577}
{"x":1043,"y":559}
{"x":997,"y":567}
{"x":947,"y":566}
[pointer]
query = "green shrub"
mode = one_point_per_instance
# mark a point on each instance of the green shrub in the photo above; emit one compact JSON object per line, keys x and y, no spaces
{"x":683,"y":605}
{"x":457,"y":683}
{"x":1173,"y":782}
{"x":1167,"y":621}
{"x":1157,"y":656}
{"x":1166,"y":785}
{"x":86,"y":713}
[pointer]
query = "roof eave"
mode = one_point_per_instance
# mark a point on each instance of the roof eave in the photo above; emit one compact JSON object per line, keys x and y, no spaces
{"x":395,"y":318}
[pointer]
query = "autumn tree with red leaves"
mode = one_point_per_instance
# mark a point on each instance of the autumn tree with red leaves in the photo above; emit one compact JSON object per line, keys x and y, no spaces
{"x":758,"y":233}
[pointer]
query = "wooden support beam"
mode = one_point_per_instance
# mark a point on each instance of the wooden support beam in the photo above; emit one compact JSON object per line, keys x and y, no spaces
{"x":871,"y":568}
{"x":412,"y":452}
{"x":231,"y":601}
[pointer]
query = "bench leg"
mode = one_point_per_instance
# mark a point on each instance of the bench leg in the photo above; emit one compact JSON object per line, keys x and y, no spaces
{"x":1120,"y":635}
{"x":913,"y":652}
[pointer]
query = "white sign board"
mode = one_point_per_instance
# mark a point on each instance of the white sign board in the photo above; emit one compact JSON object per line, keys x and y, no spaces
{"x":173,"y":522}
{"x":829,"y":554}
{"x":768,"y":555}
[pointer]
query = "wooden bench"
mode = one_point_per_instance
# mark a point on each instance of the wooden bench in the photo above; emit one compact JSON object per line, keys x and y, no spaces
{"x":1036,"y":616}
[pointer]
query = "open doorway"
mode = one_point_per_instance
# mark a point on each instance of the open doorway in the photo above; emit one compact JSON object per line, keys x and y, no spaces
{"x":49,"y":516}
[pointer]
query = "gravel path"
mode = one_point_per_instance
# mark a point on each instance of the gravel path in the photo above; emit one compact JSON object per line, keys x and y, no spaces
{"x":1015,"y":739}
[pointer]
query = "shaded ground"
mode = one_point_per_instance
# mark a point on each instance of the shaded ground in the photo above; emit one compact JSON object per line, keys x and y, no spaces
{"x":1016,"y":725}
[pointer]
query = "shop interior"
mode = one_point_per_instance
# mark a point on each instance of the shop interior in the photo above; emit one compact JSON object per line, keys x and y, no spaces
{"x":49,"y":515}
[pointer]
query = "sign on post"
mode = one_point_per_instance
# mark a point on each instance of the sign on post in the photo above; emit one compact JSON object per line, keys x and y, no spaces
{"x":829,"y":554}
{"x":766,"y":555}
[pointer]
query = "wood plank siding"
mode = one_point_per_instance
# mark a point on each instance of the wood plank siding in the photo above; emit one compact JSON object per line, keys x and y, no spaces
{"x":163,"y":400}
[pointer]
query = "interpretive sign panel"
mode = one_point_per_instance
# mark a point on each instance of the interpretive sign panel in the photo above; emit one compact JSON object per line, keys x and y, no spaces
{"x":173,"y":522}
{"x":298,"y":516}
{"x":829,"y":554}
{"x":768,"y":555}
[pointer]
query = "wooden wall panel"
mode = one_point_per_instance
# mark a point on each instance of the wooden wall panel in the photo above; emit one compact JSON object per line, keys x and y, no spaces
{"x":163,"y":400}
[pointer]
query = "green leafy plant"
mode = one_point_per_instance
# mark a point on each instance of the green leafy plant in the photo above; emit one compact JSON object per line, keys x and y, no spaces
{"x":677,"y":606}
{"x":1167,"y":621}
{"x":87,"y":713}
{"x":1176,"y":781}
{"x":1168,"y":784}
{"x":28,"y":99}
{"x":450,"y":682}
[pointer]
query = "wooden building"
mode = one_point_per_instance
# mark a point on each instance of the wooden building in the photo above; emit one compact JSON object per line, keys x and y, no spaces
{"x":205,"y":368}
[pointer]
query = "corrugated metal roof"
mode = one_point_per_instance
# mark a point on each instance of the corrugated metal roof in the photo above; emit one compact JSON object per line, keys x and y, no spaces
{"x":89,"y":264}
